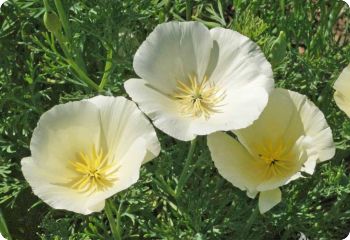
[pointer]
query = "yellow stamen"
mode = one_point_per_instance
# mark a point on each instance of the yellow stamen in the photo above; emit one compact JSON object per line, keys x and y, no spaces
{"x":198,"y":99}
{"x":94,"y":172}
{"x":274,"y":160}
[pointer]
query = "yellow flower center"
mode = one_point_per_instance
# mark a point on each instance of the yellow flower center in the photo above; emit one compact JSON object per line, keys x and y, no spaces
{"x":276,"y":160}
{"x":197,"y":99}
{"x":94,"y":172}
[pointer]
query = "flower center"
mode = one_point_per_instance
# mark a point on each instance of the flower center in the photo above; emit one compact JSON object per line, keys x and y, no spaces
{"x":94,"y":172}
{"x":274,"y":159}
{"x":197,"y":99}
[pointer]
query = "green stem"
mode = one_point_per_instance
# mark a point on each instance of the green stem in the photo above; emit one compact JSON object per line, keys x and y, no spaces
{"x":81,"y":73}
{"x":188,"y":10}
{"x":107,"y":71}
{"x":185,"y":171}
{"x":47,"y":5}
{"x":63,"y":18}
{"x":62,"y":42}
{"x":115,"y":226}
{"x":68,"y":33}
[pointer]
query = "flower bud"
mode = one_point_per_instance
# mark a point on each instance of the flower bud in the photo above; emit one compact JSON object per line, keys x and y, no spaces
{"x":52,"y":21}
{"x":278,"y":49}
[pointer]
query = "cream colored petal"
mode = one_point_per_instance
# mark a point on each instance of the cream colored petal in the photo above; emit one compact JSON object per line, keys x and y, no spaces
{"x":63,"y":132}
{"x":50,"y":189}
{"x":161,"y":109}
{"x":128,"y":172}
{"x":237,"y":62}
{"x":173,"y":51}
{"x":315,"y":126}
{"x":343,"y":102}
{"x":234,"y":162}
{"x":122,"y":123}
{"x":130,"y":164}
{"x":47,"y":186}
{"x":342,"y":94}
{"x":278,"y":124}
{"x":98,"y":207}
{"x":252,"y":194}
{"x":287,"y":117}
{"x":238,"y":110}
{"x":269,"y":199}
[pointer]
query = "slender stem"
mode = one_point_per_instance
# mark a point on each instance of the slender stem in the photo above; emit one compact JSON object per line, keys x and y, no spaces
{"x":47,"y":5}
{"x":68,"y":33}
{"x":185,"y":171}
{"x":115,"y":226}
{"x":83,"y":75}
{"x":107,"y":70}
{"x":188,"y":10}
{"x":63,"y":18}
{"x":62,"y":41}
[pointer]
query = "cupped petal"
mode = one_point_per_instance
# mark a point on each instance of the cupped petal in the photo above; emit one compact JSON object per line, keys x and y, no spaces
{"x":237,"y":62}
{"x":173,"y":51}
{"x":343,"y":102}
{"x":49,"y":187}
{"x":238,"y":110}
{"x":278,"y":124}
{"x":315,"y":125}
{"x":128,"y":173}
{"x":342,"y":93}
{"x":161,"y":108}
{"x":63,"y":132}
{"x":122,"y":124}
{"x":234,"y":162}
{"x":288,"y":116}
{"x":269,"y":199}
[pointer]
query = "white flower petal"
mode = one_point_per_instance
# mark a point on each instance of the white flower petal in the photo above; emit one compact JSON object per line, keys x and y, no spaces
{"x":196,"y":81}
{"x":47,"y":186}
{"x":234,"y":162}
{"x":278,"y":123}
{"x":239,"y":110}
{"x":106,"y":135}
{"x":130,"y":164}
{"x":269,"y":199}
{"x":63,"y":131}
{"x":173,"y":51}
{"x":287,"y":117}
{"x":127,"y":175}
{"x":238,"y":62}
{"x":342,"y":94}
{"x":160,"y":108}
{"x":315,"y":126}
{"x":122,"y":123}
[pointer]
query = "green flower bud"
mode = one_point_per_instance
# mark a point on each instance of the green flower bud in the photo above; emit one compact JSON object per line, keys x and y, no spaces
{"x":52,"y":22}
{"x":278,"y":49}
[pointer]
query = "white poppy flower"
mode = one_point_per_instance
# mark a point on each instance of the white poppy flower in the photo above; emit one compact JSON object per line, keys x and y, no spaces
{"x":84,"y":152}
{"x":342,"y":93}
{"x":290,"y":137}
{"x":196,"y":81}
